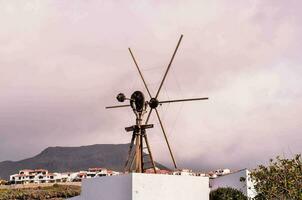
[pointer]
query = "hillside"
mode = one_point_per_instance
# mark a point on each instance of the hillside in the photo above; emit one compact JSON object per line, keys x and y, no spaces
{"x":62,"y":159}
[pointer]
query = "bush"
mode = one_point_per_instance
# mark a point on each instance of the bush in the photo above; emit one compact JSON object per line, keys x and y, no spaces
{"x":51,"y":192}
{"x":227,"y":194}
{"x":281,"y":179}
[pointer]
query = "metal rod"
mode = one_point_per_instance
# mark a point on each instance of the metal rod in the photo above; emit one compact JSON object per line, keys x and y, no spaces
{"x":147,"y":143}
{"x":149,"y":150}
{"x":162,"y":127}
{"x":140,"y":73}
{"x":148,"y":117}
{"x":132,"y":161}
{"x":141,"y":152}
{"x":137,"y":153}
{"x":180,"y":100}
{"x":168,"y":68}
{"x":129,"y":152}
{"x":120,"y":106}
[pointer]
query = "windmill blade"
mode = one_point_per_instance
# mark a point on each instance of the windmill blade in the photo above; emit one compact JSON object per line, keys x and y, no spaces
{"x":140,"y":73}
{"x":181,"y":100}
{"x":165,"y":135}
{"x":168,"y":68}
{"x":120,"y":106}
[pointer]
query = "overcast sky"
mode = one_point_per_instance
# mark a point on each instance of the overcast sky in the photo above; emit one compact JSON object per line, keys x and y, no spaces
{"x":62,"y":62}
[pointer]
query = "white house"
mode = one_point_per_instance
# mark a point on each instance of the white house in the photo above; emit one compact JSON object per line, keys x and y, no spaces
{"x":183,"y":172}
{"x":43,"y":176}
{"x":95,"y":172}
{"x":66,"y":176}
{"x":33,"y":176}
{"x":219,"y":172}
{"x":239,"y":180}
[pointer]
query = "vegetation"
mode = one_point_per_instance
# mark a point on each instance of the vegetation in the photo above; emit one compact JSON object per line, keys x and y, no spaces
{"x":227,"y":194}
{"x":55,"y":192}
{"x":281,"y":179}
{"x":3,"y":182}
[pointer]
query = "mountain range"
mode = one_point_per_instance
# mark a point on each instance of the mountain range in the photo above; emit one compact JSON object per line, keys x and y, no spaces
{"x":68,"y":159}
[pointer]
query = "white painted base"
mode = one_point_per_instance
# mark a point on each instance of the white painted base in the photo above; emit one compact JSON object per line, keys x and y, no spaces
{"x":145,"y":187}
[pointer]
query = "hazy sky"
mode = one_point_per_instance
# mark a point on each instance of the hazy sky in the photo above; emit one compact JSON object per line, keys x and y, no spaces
{"x":62,"y":62}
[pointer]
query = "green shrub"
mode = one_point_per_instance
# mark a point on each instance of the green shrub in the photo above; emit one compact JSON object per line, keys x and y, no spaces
{"x":280,"y":179}
{"x":227,"y":194}
{"x":41,"y":193}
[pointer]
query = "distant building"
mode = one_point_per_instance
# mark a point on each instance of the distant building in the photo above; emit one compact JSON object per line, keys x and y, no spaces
{"x":158,"y":171}
{"x":184,"y":172}
{"x":179,"y":172}
{"x":219,"y":172}
{"x":43,"y":176}
{"x":239,"y":180}
{"x":95,"y":172}
{"x":66,"y":176}
{"x":92,"y":172}
{"x":32,"y":176}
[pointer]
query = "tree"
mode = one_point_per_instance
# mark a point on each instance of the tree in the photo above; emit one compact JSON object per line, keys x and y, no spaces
{"x":281,"y":179}
{"x":227,"y":194}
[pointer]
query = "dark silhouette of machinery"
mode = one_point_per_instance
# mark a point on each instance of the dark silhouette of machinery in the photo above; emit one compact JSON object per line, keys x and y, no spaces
{"x":137,"y":158}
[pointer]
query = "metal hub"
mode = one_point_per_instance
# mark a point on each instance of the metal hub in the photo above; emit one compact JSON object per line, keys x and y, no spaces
{"x":121,"y":97}
{"x":153,"y":103}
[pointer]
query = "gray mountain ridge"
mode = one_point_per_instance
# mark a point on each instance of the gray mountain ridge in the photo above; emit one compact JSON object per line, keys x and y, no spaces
{"x":68,"y":159}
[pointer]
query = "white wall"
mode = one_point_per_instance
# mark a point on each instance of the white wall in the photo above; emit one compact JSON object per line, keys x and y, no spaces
{"x":145,"y":187}
{"x":232,"y":180}
{"x":107,"y":188}
{"x":168,"y":187}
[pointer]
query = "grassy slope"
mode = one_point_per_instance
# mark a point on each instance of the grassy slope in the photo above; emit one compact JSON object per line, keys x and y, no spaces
{"x":55,"y":192}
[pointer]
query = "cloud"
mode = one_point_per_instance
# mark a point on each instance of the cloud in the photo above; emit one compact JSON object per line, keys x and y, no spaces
{"x":62,"y":63}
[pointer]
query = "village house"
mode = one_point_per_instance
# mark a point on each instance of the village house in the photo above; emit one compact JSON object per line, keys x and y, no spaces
{"x":95,"y":172}
{"x":44,"y":176}
{"x":158,"y":171}
{"x":33,"y":176}
{"x":219,"y":172}
{"x":183,"y":172}
{"x":180,"y":172}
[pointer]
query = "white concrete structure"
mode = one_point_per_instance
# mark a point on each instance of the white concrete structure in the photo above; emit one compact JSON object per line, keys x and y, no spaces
{"x":239,"y":180}
{"x":137,"y":186}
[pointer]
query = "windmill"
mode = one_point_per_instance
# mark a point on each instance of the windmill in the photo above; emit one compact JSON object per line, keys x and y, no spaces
{"x":136,"y":160}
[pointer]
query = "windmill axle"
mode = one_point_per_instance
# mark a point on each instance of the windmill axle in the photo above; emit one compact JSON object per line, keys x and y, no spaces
{"x":153,"y":103}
